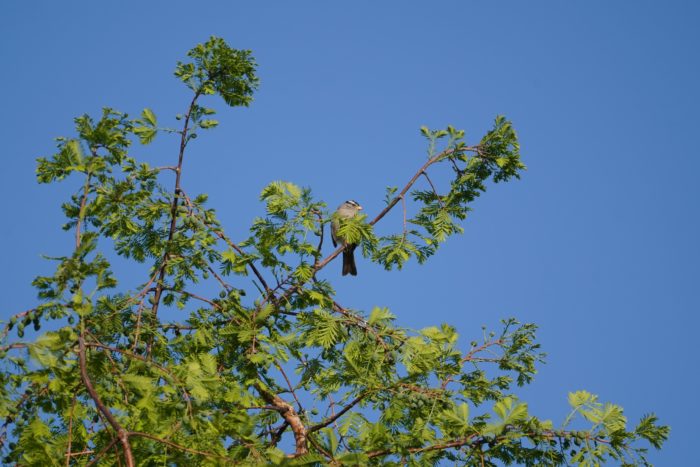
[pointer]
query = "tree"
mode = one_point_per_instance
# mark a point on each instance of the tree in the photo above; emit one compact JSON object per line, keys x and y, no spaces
{"x":281,"y":372}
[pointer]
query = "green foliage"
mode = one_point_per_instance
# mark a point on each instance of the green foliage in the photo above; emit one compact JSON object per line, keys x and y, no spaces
{"x":219,"y":69}
{"x":496,"y":158}
{"x":238,"y":352}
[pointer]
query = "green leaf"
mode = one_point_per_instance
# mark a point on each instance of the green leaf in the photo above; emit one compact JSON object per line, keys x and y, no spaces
{"x":580,"y":398}
{"x":510,"y":411}
{"x":206,"y":124}
{"x":139,"y":382}
{"x":145,"y":134}
{"x":353,"y":458}
{"x":149,"y":117}
{"x":380,"y":316}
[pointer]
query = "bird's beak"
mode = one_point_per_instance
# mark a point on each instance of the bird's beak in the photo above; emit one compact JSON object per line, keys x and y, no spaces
{"x":359,"y":208}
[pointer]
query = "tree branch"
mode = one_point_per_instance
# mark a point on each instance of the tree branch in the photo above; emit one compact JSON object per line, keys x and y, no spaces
{"x":129,"y":354}
{"x":102,"y":452}
{"x":229,"y":242}
{"x":320,"y":265}
{"x":289,"y":385}
{"x":276,"y":435}
{"x":340,"y":413}
{"x":290,"y":416}
{"x":122,"y":434}
{"x":469,"y":357}
{"x":439,"y":198}
{"x":433,"y":447}
{"x":177,"y":446}
{"x":411,"y":182}
{"x":173,"y":208}
{"x":70,"y":432}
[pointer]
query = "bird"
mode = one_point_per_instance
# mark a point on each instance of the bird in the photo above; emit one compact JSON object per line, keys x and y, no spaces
{"x":345,"y":211}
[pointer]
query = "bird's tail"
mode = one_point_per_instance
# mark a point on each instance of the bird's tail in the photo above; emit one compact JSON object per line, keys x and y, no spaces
{"x":349,"y":261}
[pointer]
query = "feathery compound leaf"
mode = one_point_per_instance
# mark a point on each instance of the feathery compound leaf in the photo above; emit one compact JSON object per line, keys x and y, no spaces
{"x":149,"y":117}
{"x":380,"y":316}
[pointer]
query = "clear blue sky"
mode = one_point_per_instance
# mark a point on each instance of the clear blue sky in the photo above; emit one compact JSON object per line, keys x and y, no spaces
{"x":598,"y":243}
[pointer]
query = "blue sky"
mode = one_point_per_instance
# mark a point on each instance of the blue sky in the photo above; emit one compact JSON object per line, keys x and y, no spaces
{"x":597,"y":244}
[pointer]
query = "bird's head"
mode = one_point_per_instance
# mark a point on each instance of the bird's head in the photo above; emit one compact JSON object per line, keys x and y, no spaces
{"x":352,"y":205}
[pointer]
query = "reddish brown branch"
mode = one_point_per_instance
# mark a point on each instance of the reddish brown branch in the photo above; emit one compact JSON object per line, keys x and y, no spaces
{"x":16,"y":317}
{"x":408,"y":186}
{"x":137,"y":331}
{"x":70,"y":433}
{"x":122,"y":434}
{"x":439,"y":198}
{"x":228,"y":241}
{"x":289,"y":385}
{"x":240,"y":251}
{"x":178,"y":446}
{"x":16,"y":345}
{"x":433,"y":447}
{"x":190,"y":294}
{"x":129,"y":354}
{"x":469,"y":357}
{"x":102,"y":452}
{"x":476,"y":440}
{"x":290,"y":416}
{"x":361,"y":323}
{"x":339,"y":414}
{"x":173,"y":208}
{"x":320,"y":265}
{"x":76,"y":454}
{"x":322,"y":450}
{"x":223,"y":283}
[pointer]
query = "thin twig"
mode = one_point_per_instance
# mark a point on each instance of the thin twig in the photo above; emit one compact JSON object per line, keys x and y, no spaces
{"x":76,"y":454}
{"x":149,"y":362}
{"x":216,"y":231}
{"x":16,"y":317}
{"x":321,"y":449}
{"x":403,"y":202}
{"x":223,"y":283}
{"x":103,"y":451}
{"x":178,"y":446}
{"x":193,"y":295}
{"x":70,"y":432}
{"x":439,"y":198}
{"x":339,"y":414}
{"x":16,"y":345}
{"x":289,"y":385}
{"x":469,"y":357}
{"x":137,"y":331}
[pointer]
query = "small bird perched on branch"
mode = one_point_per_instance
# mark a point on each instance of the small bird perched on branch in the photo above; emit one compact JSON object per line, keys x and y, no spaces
{"x":345,"y":211}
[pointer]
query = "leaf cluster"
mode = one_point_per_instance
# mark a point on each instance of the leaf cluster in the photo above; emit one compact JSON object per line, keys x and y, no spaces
{"x":238,"y":352}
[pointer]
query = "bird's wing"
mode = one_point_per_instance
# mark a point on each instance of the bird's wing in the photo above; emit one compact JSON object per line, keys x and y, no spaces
{"x":334,"y":229}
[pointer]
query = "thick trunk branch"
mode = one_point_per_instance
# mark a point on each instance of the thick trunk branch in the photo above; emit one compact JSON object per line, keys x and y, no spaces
{"x":290,"y":416}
